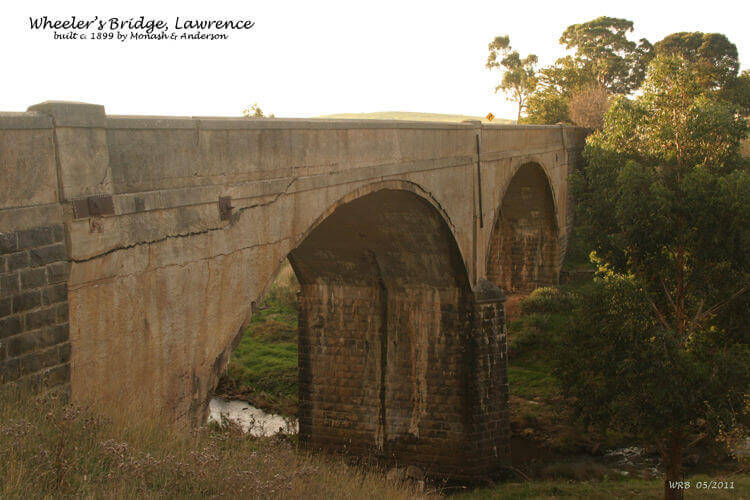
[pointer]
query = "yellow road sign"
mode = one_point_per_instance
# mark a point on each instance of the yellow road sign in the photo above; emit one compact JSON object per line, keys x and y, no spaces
{"x":490,"y":117}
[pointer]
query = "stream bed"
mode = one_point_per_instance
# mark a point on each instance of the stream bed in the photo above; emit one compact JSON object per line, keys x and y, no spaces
{"x":250,"y":419}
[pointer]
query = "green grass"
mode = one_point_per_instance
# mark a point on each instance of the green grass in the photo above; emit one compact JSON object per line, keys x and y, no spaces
{"x":263,"y":367}
{"x":532,"y":337}
{"x":531,"y":380}
{"x":266,"y":366}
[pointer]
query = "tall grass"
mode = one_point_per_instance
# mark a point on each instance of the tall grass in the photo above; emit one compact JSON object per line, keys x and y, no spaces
{"x":52,"y":449}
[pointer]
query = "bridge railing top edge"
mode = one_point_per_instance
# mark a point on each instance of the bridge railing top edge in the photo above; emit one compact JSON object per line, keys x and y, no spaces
{"x":24,"y":120}
{"x":508,"y":126}
{"x":240,"y":123}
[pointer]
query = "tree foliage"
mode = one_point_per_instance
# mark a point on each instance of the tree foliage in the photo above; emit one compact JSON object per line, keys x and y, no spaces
{"x":660,"y":346}
{"x":603,"y":57}
{"x":588,"y":105}
{"x":519,"y":75}
{"x":254,"y":111}
{"x":546,"y":106}
{"x":712,"y":51}
{"x":603,"y":49}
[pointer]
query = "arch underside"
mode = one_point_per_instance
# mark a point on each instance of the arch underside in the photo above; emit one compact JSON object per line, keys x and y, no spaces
{"x":524,"y":245}
{"x":385,"y":314}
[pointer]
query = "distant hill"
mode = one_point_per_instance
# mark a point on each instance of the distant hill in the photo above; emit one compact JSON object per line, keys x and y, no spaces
{"x":411,"y":116}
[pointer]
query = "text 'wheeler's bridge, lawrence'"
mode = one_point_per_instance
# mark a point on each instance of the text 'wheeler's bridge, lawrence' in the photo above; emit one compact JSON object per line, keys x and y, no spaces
{"x":133,"y":249}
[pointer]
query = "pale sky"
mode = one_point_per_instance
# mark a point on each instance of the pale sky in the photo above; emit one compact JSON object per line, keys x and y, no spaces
{"x":311,"y":58}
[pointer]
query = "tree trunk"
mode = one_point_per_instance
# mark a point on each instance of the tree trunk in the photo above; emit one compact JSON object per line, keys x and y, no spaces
{"x":672,"y":459}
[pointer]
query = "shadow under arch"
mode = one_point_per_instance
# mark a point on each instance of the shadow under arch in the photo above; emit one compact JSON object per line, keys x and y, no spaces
{"x":394,"y":185}
{"x":384,"y":305}
{"x":523,"y":247}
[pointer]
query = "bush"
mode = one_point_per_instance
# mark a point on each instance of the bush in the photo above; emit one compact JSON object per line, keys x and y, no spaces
{"x":546,"y":300}
{"x":531,"y":333}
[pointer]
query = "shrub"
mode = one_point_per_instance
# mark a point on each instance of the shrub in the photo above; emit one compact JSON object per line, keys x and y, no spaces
{"x":546,"y":300}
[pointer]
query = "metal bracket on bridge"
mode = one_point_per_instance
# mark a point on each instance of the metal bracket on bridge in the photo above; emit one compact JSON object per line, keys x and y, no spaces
{"x":225,"y":207}
{"x":93,"y":206}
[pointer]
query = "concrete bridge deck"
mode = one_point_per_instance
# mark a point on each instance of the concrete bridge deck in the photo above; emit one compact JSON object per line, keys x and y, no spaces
{"x":133,"y":250}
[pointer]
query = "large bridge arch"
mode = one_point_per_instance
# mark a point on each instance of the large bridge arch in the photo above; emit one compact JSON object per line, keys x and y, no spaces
{"x":360,"y":192}
{"x":397,"y":357}
{"x":385,"y":313}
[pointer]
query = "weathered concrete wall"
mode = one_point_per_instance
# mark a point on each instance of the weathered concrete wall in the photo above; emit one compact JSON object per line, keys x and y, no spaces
{"x":161,"y":285}
{"x":34,"y":345}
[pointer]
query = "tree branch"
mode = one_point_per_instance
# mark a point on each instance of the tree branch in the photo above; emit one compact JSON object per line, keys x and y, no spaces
{"x":721,"y":304}
{"x":659,"y":315}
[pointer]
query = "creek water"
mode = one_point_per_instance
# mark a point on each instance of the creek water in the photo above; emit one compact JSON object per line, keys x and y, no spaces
{"x":249,"y":418}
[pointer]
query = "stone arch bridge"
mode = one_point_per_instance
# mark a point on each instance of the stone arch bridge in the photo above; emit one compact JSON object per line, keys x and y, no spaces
{"x":133,"y":249}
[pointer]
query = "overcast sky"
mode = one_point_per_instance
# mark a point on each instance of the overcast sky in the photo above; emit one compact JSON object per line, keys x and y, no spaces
{"x":312,"y":58}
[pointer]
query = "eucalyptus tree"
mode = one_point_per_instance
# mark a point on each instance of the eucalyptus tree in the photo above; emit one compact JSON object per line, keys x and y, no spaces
{"x":519,"y":74}
{"x":660,"y":343}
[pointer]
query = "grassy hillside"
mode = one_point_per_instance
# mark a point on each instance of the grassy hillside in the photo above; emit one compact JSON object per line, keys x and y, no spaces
{"x":412,"y":116}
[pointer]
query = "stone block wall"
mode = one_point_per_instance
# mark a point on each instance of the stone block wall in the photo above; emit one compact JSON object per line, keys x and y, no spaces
{"x":34,"y":330}
{"x":488,"y":435}
{"x":339,"y":368}
{"x":524,"y":246}
{"x":408,"y":376}
{"x":426,"y":368}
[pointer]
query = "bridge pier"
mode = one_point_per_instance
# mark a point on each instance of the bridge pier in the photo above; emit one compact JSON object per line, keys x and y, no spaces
{"x":410,"y":376}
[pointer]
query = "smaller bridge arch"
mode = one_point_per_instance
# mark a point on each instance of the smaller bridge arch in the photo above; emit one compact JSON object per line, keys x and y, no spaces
{"x":523,"y":248}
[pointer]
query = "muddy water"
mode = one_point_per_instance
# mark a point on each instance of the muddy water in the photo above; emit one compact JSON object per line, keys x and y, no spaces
{"x":249,"y":418}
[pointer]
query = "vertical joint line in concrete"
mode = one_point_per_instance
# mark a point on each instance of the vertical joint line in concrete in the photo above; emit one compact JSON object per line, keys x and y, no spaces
{"x":383,"y":351}
{"x":479,"y":182}
{"x":562,"y":136}
{"x":58,"y":165}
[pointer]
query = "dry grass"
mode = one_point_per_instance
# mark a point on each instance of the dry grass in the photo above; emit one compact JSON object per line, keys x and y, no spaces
{"x":52,"y":449}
